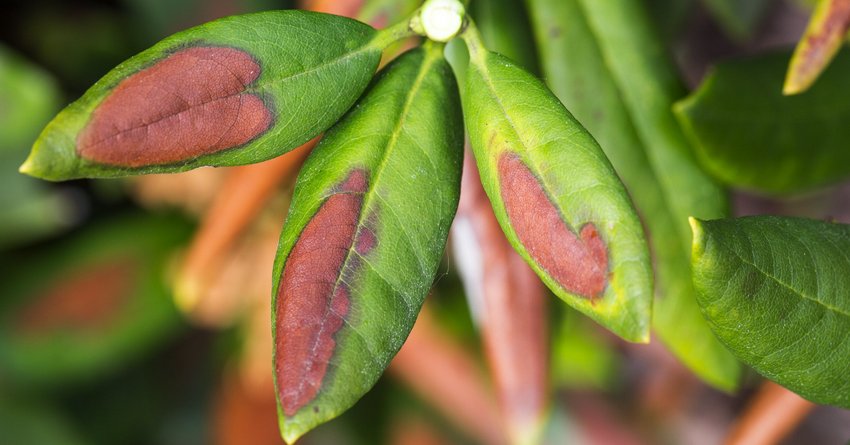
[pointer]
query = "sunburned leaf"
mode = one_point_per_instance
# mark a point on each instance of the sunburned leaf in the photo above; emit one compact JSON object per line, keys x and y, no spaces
{"x":605,"y":64}
{"x":363,"y":239}
{"x":84,"y":307}
{"x":238,"y":90}
{"x":823,"y":38}
{"x":556,"y":196}
{"x":751,"y":136}
{"x":775,"y":291}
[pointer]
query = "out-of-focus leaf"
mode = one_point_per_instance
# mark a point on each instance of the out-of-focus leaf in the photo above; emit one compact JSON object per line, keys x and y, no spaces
{"x":505,"y":29}
{"x":364,"y":237}
{"x":776,"y":291}
{"x":669,"y":16}
{"x":87,"y":305}
{"x":234,"y":91}
{"x":581,"y":358}
{"x":555,"y":194}
{"x":23,"y":423}
{"x":738,"y":18}
{"x":382,"y":13}
{"x":28,"y":97}
{"x":751,"y":136}
{"x":611,"y":71}
{"x":823,"y":38}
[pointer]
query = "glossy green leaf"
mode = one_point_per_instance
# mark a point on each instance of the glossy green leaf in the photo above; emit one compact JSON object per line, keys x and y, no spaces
{"x":739,"y":18}
{"x":364,"y":237}
{"x":630,"y":118}
{"x":76,"y":310}
{"x":776,"y":291}
{"x":28,"y":98}
{"x":751,"y":136}
{"x":556,"y":196}
{"x":234,"y":91}
{"x":823,"y":38}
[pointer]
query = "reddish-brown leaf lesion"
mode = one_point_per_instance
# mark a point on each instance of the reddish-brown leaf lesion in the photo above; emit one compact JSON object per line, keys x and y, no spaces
{"x":189,"y":104}
{"x":314,"y":298}
{"x":577,"y":262}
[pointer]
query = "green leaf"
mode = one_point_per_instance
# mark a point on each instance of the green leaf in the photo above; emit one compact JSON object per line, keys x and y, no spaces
{"x":751,"y":136}
{"x":820,"y":43}
{"x":28,"y":98}
{"x":556,"y":196}
{"x":77,"y":310}
{"x":364,"y":237}
{"x":505,"y":29}
{"x":234,"y":91}
{"x":775,"y":291}
{"x":738,"y":18}
{"x":630,"y":117}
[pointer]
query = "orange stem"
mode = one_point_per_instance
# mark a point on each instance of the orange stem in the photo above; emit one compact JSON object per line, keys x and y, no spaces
{"x":446,"y":376}
{"x":243,"y":194}
{"x":512,"y":311}
{"x":772,"y":415}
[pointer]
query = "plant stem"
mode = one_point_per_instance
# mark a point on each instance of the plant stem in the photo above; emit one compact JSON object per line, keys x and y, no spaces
{"x":394,"y":33}
{"x":239,"y":200}
{"x":772,"y":415}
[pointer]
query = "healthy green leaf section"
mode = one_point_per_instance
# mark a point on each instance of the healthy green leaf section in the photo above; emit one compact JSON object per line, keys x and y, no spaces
{"x":775,"y":291}
{"x":556,"y":196}
{"x":751,"y":136}
{"x":364,"y":237}
{"x":580,"y":64}
{"x":72,"y":312}
{"x":234,"y":91}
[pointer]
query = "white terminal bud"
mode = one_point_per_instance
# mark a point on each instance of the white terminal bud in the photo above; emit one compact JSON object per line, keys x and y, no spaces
{"x":442,"y":19}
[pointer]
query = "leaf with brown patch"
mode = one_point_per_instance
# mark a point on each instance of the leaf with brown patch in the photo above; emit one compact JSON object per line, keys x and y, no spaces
{"x":364,"y":237}
{"x":191,"y":103}
{"x":556,"y":196}
{"x":234,"y":91}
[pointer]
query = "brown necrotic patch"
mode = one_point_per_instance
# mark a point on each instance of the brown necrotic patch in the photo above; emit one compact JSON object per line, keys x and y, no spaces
{"x":579,"y":263}
{"x":314,"y":297}
{"x":89,"y":299}
{"x":192,"y":103}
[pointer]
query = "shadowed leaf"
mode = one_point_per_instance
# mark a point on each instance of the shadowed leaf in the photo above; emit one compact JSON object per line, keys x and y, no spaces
{"x":751,"y":136}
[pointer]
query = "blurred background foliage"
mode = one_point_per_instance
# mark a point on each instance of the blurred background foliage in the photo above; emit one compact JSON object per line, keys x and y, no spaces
{"x":94,"y":348}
